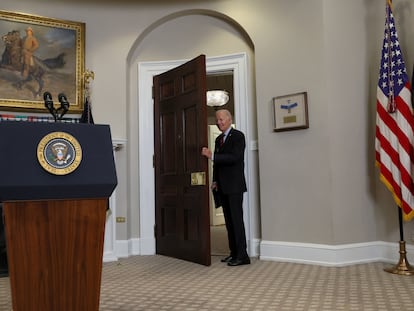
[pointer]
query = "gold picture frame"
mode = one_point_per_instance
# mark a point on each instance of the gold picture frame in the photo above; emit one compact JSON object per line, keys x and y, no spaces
{"x":291,"y":112}
{"x":56,"y":66}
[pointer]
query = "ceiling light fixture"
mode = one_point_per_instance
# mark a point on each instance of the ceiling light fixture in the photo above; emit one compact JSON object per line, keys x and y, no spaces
{"x":217,"y":98}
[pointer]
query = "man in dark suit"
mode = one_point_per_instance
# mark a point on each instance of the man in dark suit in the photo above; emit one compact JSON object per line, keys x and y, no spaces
{"x":230,"y":184}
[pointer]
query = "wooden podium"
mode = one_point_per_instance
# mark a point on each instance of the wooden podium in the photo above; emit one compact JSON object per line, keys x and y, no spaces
{"x":55,"y":219}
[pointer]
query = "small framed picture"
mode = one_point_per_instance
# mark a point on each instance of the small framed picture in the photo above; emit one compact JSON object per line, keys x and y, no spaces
{"x":291,"y":112}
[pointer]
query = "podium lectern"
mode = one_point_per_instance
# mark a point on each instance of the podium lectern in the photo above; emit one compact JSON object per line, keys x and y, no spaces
{"x":55,"y":184}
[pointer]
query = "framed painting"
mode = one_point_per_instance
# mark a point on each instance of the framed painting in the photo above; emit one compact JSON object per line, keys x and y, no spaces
{"x":291,"y":112}
{"x":39,"y":55}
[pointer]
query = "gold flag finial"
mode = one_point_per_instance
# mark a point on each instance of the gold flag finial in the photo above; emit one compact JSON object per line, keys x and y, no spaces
{"x":87,"y":76}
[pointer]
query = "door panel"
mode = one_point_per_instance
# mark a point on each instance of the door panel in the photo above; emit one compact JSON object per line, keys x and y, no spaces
{"x":180,"y":131}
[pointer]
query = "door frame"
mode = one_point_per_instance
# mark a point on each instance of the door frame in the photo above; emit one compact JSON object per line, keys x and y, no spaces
{"x":146,"y":70}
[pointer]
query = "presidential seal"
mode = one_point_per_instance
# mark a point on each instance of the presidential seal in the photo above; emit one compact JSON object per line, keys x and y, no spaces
{"x":59,"y":153}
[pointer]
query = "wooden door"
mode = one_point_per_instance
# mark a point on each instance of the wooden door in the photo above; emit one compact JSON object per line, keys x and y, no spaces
{"x":181,"y":173}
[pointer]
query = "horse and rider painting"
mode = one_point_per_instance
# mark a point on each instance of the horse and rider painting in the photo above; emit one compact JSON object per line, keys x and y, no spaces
{"x":35,"y":58}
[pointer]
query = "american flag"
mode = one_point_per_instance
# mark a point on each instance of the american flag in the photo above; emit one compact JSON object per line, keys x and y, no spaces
{"x":395,"y":122}
{"x":86,"y":116}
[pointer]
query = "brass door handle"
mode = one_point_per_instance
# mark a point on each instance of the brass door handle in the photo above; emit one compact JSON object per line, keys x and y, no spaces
{"x":198,"y":179}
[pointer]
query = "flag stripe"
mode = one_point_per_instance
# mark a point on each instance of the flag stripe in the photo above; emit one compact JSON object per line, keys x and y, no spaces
{"x":396,"y":145}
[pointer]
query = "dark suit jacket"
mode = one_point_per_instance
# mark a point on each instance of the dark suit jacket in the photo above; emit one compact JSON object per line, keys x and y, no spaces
{"x":228,"y":165}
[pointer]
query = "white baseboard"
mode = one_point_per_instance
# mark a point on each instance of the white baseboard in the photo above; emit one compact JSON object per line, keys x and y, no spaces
{"x":146,"y":246}
{"x":333,"y":255}
{"x":109,"y":256}
{"x":121,"y":248}
{"x":305,"y":253}
{"x":254,"y":250}
{"x":126,"y":248}
{"x":134,"y":247}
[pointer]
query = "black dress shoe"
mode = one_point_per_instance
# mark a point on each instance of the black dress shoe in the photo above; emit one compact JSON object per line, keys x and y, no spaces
{"x":227,"y":259}
{"x":239,"y":262}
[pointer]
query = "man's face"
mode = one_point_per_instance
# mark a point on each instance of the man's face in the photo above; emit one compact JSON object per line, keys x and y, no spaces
{"x":223,"y":120}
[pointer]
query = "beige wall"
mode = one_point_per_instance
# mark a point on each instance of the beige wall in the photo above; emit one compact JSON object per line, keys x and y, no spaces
{"x":317,"y":185}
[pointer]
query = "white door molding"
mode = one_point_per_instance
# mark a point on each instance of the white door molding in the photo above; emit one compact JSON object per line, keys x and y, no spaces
{"x":110,"y":252}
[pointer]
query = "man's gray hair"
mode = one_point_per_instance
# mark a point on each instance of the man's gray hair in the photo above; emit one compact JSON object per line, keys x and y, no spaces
{"x":227,"y":112}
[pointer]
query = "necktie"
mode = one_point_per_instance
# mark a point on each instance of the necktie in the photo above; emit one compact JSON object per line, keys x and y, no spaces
{"x":222,"y":140}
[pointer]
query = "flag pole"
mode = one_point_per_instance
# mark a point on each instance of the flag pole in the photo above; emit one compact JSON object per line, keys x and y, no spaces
{"x":86,"y":116}
{"x":402,"y":267}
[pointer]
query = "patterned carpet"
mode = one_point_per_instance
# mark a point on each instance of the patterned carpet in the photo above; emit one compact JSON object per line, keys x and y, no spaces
{"x":162,"y":283}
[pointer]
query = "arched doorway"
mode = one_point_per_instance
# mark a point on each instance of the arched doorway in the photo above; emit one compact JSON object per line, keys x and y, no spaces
{"x":140,"y":127}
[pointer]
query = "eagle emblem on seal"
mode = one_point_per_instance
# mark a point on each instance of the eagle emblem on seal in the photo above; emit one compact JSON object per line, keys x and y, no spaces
{"x":60,"y":151}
